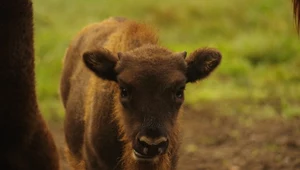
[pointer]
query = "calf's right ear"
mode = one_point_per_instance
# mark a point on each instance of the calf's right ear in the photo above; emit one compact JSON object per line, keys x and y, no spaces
{"x":201,"y":63}
{"x":102,"y":62}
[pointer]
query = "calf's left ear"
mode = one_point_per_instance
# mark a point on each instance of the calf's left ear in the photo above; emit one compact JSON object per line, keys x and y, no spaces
{"x":201,"y":63}
{"x":102,"y":62}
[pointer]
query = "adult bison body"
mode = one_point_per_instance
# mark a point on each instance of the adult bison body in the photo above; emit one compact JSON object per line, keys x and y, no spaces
{"x":122,"y":93}
{"x":296,"y":10}
{"x":26,"y":142}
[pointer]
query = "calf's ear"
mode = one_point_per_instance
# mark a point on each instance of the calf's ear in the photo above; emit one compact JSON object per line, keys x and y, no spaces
{"x":102,"y":62}
{"x":201,"y":63}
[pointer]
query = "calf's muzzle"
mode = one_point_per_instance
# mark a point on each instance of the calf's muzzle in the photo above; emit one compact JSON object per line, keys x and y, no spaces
{"x":148,"y":147}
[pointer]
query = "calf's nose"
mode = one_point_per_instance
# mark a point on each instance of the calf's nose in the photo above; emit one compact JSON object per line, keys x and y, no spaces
{"x":151,"y":146}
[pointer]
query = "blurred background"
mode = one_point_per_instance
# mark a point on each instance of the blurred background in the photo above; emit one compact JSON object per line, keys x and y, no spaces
{"x":245,"y":115}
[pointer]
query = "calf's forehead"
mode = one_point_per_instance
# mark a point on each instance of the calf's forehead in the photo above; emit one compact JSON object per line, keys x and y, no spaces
{"x":149,"y":73}
{"x":151,"y":65}
{"x":152,"y":79}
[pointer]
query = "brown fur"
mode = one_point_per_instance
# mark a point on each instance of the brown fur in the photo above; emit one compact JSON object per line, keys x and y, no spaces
{"x":26,"y":143}
{"x":296,"y":9}
{"x":102,"y":121}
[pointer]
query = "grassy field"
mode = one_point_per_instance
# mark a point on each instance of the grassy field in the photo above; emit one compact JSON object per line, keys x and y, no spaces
{"x":259,"y":74}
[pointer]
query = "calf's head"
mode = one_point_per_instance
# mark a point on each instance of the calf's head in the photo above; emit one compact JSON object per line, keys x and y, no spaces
{"x":151,"y":83}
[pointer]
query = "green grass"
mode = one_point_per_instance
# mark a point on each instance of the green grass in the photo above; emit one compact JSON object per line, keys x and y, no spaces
{"x":258,"y":40}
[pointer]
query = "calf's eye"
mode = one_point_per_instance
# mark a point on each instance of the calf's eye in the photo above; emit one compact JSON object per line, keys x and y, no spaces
{"x":179,"y":94}
{"x":124,"y":92}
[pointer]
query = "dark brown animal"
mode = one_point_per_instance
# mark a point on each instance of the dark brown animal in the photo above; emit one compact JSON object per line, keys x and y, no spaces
{"x":26,"y":143}
{"x":122,"y":93}
{"x":296,"y":9}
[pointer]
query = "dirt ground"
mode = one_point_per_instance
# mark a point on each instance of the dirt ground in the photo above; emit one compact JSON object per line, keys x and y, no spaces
{"x":217,"y":142}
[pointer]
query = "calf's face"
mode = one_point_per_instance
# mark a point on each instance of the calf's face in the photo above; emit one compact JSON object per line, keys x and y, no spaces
{"x":151,"y":84}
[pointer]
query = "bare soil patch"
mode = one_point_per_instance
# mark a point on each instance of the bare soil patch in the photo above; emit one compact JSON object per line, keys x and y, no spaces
{"x":221,"y":142}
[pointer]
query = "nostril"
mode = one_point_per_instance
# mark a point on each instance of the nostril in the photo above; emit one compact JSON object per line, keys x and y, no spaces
{"x":145,"y":151}
{"x":162,"y":147}
{"x":160,"y":150}
{"x":143,"y":143}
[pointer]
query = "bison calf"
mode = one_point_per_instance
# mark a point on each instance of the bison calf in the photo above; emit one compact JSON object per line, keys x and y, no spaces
{"x":122,"y":93}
